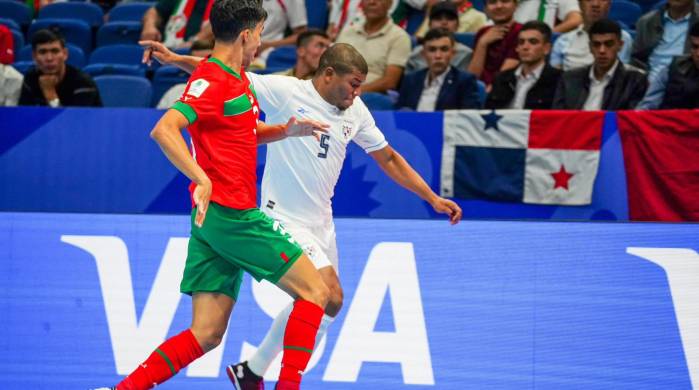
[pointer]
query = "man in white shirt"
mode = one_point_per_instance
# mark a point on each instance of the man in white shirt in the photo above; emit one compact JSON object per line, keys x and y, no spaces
{"x":607,"y":84}
{"x":280,"y":15}
{"x":300,"y":177}
{"x":572,"y":49}
{"x":561,"y":15}
{"x":10,"y":85}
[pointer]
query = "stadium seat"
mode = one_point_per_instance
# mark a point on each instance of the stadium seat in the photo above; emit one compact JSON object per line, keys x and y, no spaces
{"x":377,"y":101}
{"x":114,"y":33}
{"x":76,"y":57}
{"x":282,"y":57}
{"x":164,"y":78}
{"x":466,"y":38}
{"x":625,"y":12}
{"x":124,"y":91}
{"x":482,"y":94}
{"x":87,"y":12}
{"x":23,"y":66}
{"x":95,"y":70}
{"x":17,"y":11}
{"x":10,"y":23}
{"x":76,"y":32}
{"x":18,"y":40}
{"x":128,"y":12}
{"x":117,"y":54}
{"x":554,"y":36}
{"x":414,"y":20}
{"x":317,"y":14}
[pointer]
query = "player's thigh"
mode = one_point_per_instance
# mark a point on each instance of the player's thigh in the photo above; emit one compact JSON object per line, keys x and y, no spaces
{"x":303,"y":281}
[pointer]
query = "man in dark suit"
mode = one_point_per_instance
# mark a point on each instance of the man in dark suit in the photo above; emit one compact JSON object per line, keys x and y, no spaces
{"x":607,"y":84}
{"x":440,"y":86}
{"x":530,"y":85}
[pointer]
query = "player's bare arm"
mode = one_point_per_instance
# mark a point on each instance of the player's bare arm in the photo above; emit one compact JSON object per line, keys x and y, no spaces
{"x":293,"y":128}
{"x":155,"y":49}
{"x":395,"y":166}
{"x":168,"y":134}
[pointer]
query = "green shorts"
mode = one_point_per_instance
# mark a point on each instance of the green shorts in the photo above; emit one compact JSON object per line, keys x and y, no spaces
{"x":232,"y":241}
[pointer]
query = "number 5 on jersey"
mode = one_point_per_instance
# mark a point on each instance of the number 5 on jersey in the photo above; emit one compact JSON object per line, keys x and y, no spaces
{"x":325,"y":145}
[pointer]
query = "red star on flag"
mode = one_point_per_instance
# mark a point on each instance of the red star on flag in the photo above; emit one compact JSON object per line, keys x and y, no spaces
{"x":561,"y":177}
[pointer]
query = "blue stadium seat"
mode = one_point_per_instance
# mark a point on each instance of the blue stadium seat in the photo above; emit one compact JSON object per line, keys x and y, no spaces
{"x":124,"y":91}
{"x":317,"y":14}
{"x":87,"y":12}
{"x":76,"y":57}
{"x":466,"y":38}
{"x":17,"y":40}
{"x":95,"y":70}
{"x":625,"y":12}
{"x":76,"y":32}
{"x":482,"y":94}
{"x":282,"y":57}
{"x":415,"y":19}
{"x":23,"y":66}
{"x":10,"y":23}
{"x":114,"y":33}
{"x":117,"y":54}
{"x":377,"y":101}
{"x":271,"y":70}
{"x":19,"y":12}
{"x":128,"y":12}
{"x":164,"y":78}
{"x":554,"y":36}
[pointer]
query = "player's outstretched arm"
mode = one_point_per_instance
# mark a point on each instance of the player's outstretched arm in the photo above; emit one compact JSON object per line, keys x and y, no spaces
{"x":168,"y":134}
{"x":402,"y":173}
{"x":293,"y":128}
{"x":154,"y":49}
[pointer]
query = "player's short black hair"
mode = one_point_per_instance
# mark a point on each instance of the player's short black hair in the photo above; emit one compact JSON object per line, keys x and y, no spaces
{"x":694,"y":30}
{"x":230,"y":17}
{"x":541,"y":27}
{"x":343,"y":58}
{"x":305,"y":37}
{"x":47,"y":36}
{"x":437,"y":33}
{"x":605,"y":26}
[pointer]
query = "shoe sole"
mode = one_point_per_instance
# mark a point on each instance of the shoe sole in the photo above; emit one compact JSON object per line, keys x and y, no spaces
{"x":233,"y":378}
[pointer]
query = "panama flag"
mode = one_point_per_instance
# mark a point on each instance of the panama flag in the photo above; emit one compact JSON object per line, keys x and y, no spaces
{"x":543,"y":157}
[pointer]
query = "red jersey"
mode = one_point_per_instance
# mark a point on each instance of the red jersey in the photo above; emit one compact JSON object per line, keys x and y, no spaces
{"x":222,"y":111}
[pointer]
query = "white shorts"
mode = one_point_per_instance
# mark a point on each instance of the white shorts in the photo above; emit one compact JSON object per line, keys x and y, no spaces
{"x":318,"y":242}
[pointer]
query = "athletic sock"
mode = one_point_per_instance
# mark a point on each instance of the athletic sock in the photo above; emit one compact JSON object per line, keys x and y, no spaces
{"x":299,"y":340}
{"x":272,"y":343}
{"x":166,"y":361}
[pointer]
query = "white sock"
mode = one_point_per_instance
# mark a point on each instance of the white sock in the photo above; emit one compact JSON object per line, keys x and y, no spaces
{"x":274,"y":340}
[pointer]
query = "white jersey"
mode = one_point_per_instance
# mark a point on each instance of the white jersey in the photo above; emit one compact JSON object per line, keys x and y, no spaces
{"x":301,"y":172}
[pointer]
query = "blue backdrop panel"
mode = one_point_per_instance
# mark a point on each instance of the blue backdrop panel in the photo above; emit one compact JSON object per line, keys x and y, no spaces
{"x":482,"y":305}
{"x":102,"y":160}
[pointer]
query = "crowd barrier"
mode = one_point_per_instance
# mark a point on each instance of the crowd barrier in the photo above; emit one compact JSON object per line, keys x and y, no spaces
{"x":103,"y":161}
{"x":480,"y":305}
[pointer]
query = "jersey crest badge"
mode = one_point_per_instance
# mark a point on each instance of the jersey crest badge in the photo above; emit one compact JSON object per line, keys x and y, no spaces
{"x":197,"y":87}
{"x":347,"y":129}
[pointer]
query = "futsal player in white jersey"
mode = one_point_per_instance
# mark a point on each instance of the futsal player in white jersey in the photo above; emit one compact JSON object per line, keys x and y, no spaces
{"x":300,"y":173}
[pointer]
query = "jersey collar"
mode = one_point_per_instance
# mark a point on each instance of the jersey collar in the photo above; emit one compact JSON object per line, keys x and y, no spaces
{"x":224,"y":67}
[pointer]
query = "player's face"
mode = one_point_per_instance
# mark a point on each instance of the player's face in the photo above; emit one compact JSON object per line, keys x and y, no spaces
{"x":344,"y":88}
{"x":251,"y":43}
{"x":50,"y":57}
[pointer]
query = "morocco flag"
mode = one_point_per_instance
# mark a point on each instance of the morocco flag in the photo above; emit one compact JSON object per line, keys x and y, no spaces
{"x":543,"y":157}
{"x":661,"y":156}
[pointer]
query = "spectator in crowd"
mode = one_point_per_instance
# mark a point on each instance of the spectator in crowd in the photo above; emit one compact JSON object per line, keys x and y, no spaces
{"x":384,"y":45}
{"x":662,"y":34}
{"x":310,"y":45}
{"x":7,"y":45}
{"x":178,"y":23}
{"x":572,"y":49}
{"x":10,"y":85}
{"x":442,"y":15}
{"x":561,"y":15}
{"x":607,"y":84}
{"x":531,"y":85}
{"x":677,"y":86}
{"x":52,"y":82}
{"x":281,"y":15}
{"x":441,"y":86}
{"x":343,"y":13}
{"x":469,"y":18}
{"x":495,"y":45}
{"x":199,"y":49}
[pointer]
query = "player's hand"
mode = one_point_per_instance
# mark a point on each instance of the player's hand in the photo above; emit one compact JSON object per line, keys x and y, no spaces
{"x":155,"y":49}
{"x":305,"y":127}
{"x":446,"y":206}
{"x":202,"y":195}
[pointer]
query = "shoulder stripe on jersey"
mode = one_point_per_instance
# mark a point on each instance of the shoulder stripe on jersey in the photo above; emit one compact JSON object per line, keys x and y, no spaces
{"x":186,"y":110}
{"x":237,"y":105}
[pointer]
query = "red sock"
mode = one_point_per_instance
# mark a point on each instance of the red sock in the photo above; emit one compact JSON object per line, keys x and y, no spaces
{"x":299,"y":340}
{"x":166,"y":361}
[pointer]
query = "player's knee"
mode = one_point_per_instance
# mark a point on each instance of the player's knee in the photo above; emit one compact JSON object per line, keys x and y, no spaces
{"x":335,"y":300}
{"x":320,"y":295}
{"x":208,"y":337}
